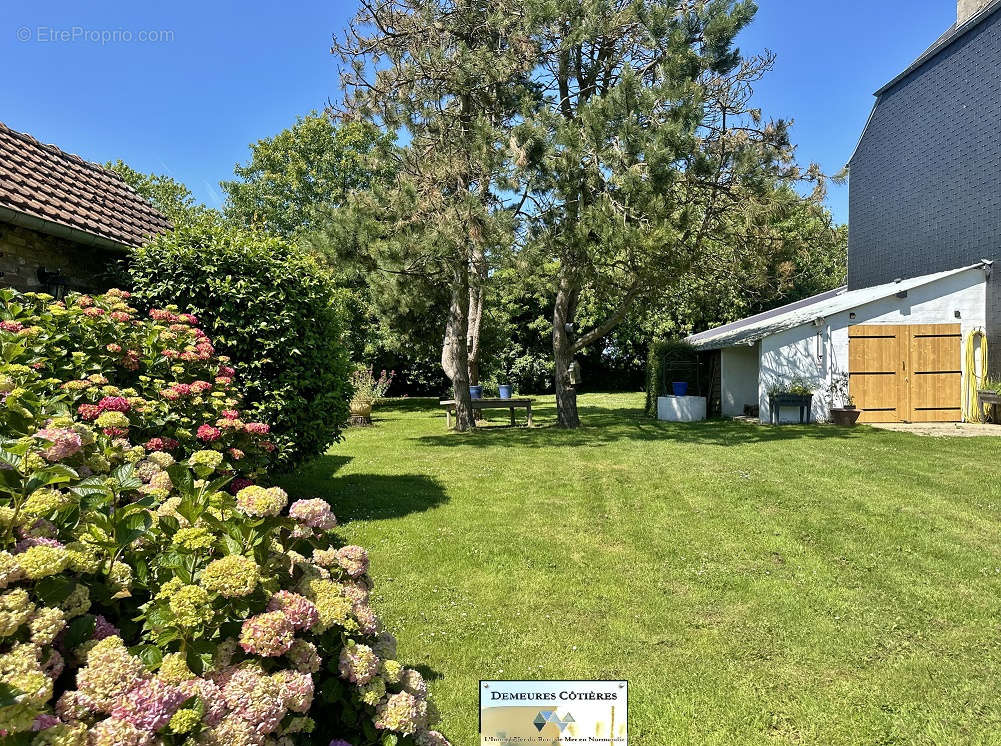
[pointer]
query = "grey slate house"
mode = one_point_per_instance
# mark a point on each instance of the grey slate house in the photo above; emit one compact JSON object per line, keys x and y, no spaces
{"x":906,"y":334}
{"x":925,"y":183}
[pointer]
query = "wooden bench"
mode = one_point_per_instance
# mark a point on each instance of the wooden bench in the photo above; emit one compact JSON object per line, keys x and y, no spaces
{"x":511,"y":404}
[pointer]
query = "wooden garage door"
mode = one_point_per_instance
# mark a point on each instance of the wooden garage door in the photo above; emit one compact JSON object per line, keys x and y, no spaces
{"x":906,"y":373}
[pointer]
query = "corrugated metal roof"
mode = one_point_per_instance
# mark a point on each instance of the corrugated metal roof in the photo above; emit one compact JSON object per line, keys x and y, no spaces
{"x":753,"y":328}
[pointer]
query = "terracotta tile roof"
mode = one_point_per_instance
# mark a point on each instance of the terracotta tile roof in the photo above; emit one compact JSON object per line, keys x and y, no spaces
{"x":44,"y":182}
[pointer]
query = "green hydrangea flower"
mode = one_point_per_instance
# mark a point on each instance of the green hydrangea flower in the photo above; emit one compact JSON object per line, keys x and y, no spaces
{"x":112,"y":419}
{"x":193,"y":538}
{"x":208,"y":459}
{"x":45,"y":501}
{"x":190,"y":606}
{"x":41,"y":561}
{"x":184,"y":721}
{"x":231,"y":576}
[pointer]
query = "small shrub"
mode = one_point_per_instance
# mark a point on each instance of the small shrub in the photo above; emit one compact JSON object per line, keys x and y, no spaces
{"x":367,"y":388}
{"x":271,"y":308}
{"x":143,"y":603}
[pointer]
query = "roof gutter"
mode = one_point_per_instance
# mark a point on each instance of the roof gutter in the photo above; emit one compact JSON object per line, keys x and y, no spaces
{"x":59,"y":230}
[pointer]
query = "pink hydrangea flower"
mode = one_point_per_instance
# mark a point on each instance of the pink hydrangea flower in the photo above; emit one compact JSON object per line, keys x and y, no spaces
{"x":161,"y":444}
{"x":431,"y":738}
{"x":353,"y":560}
{"x":161,"y":314}
{"x":238,"y":484}
{"x":252,"y":696}
{"x":368,"y":622}
{"x":65,"y":442}
{"x":257,"y":428}
{"x":11,"y":326}
{"x":114,"y":404}
{"x":44,"y":721}
{"x":269,"y":634}
{"x":358,"y":663}
{"x":103,"y":628}
{"x":89,"y":411}
{"x":211,"y":696}
{"x":299,"y":610}
{"x":295,"y":690}
{"x":149,"y":704}
{"x":402,"y":713}
{"x":314,"y":513}
{"x":208,"y":433}
{"x":35,"y":541}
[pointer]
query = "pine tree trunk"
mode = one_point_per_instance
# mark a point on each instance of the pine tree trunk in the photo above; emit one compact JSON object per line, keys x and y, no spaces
{"x":477,"y":298}
{"x":455,"y":353}
{"x":566,"y":395}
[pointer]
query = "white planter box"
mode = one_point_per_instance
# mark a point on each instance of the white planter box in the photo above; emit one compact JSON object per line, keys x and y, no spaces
{"x":681,"y":408}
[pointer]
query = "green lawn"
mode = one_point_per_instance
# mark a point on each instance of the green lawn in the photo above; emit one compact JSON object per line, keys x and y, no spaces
{"x":803,"y":584}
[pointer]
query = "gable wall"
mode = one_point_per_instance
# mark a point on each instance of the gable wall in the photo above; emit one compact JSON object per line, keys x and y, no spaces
{"x":925,"y":185}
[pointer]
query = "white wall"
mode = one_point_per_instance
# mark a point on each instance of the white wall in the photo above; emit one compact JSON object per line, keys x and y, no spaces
{"x":738,"y":378}
{"x":817,"y":353}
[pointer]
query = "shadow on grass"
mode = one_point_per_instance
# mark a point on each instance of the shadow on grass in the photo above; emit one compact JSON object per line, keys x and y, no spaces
{"x":364,"y":496}
{"x":600,"y":425}
{"x":427,"y":672}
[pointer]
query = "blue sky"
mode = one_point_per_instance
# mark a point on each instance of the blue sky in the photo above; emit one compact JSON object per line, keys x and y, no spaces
{"x":229,"y":73}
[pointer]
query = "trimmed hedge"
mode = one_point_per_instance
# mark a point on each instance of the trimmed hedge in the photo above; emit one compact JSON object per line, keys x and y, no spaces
{"x":271,"y":307}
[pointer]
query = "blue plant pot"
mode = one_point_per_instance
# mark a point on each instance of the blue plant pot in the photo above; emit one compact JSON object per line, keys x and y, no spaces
{"x":680,"y":388}
{"x":505,"y":391}
{"x":476,"y":392}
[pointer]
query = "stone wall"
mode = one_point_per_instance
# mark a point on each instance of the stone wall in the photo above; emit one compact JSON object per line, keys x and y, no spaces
{"x":23,"y":251}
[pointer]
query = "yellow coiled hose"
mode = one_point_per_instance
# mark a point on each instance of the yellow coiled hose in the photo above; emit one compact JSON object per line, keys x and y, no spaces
{"x":972,"y":411}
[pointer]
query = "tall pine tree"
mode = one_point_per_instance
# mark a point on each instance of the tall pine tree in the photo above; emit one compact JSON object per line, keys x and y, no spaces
{"x":442,"y":75}
{"x":639,"y":149}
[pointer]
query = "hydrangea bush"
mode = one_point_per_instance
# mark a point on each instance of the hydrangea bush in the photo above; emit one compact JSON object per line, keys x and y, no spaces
{"x":147,"y":596}
{"x":272,"y":307}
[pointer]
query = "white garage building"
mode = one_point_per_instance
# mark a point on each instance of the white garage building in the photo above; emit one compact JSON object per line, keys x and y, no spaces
{"x":903,"y":345}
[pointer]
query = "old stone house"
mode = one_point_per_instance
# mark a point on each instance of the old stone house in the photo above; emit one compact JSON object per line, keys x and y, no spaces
{"x":65,"y":223}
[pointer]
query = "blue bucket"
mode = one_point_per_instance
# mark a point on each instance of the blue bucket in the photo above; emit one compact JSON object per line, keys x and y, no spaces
{"x":505,"y":390}
{"x":476,"y":392}
{"x":680,"y":388}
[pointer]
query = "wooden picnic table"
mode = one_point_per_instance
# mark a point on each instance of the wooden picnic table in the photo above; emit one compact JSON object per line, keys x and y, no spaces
{"x":511,"y":404}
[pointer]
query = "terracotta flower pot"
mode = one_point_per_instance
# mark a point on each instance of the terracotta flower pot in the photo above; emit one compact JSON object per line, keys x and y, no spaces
{"x":845,"y":415}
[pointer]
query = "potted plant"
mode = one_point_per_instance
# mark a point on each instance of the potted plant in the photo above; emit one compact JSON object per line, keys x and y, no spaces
{"x":847,"y":413}
{"x":796,"y":393}
{"x":989,"y":395}
{"x":366,"y":390}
